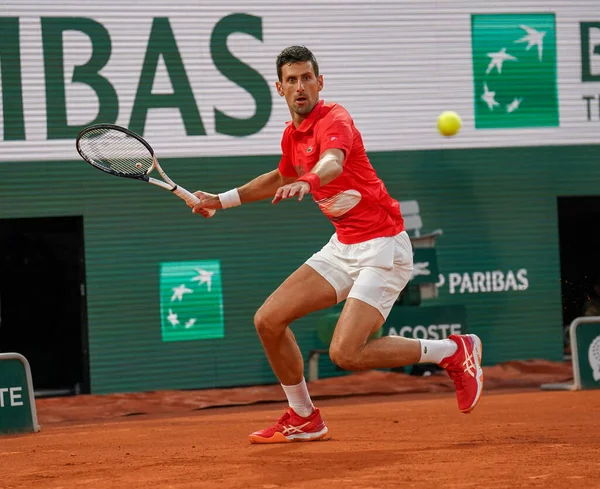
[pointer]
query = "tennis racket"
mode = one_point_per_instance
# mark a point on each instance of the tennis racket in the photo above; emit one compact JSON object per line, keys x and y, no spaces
{"x":121,"y":152}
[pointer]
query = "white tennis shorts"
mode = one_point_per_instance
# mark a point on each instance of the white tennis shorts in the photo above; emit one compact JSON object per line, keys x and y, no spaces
{"x":373,"y":271}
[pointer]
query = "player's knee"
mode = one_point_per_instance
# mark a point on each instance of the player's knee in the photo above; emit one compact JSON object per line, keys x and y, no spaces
{"x":345,"y":358}
{"x":266,"y":325}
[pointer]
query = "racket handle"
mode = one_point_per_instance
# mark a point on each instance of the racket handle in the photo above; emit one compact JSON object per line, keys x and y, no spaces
{"x":190,"y":198}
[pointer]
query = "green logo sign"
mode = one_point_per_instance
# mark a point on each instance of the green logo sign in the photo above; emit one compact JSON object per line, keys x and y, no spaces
{"x":514,"y":70}
{"x":191,"y":300}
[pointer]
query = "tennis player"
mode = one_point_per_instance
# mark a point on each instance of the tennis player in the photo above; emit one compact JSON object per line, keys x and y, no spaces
{"x":367,"y":262}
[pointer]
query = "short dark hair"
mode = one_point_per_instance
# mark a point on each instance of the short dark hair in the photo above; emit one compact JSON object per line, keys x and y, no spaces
{"x":296,"y":54}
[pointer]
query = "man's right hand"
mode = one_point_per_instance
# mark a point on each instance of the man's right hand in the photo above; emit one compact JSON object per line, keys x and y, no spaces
{"x":207,"y":202}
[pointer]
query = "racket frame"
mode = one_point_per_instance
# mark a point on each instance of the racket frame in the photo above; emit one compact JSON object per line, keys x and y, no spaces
{"x":167,"y":184}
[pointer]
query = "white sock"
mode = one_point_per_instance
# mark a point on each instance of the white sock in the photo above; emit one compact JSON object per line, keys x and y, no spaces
{"x":434,"y":351}
{"x":299,"y":398}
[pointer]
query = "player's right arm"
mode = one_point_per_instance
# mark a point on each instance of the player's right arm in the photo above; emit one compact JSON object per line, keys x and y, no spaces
{"x":262,"y":187}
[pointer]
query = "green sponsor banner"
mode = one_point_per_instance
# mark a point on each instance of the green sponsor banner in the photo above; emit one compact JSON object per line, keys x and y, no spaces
{"x":514,"y":70}
{"x":17,"y":413}
{"x":425,"y":264}
{"x":588,"y":354}
{"x":432,"y":322}
{"x":191,"y":300}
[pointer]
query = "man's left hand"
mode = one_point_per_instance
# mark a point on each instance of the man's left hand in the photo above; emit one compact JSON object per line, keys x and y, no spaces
{"x":290,"y":190}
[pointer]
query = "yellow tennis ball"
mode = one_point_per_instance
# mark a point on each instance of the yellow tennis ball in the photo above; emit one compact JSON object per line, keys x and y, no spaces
{"x":449,"y":123}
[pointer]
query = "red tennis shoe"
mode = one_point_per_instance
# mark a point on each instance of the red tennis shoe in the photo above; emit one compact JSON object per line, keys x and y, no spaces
{"x":292,"y":427}
{"x":464,"y":368}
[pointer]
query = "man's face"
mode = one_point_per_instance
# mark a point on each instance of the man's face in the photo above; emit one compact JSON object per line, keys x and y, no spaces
{"x":300,"y":87}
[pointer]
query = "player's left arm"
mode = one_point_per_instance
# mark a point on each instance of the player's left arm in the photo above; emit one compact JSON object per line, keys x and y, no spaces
{"x":327,"y":169}
{"x":329,"y":166}
{"x":335,"y":143}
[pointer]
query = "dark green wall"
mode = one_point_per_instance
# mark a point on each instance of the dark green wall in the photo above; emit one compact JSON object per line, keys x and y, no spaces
{"x":497,"y":208}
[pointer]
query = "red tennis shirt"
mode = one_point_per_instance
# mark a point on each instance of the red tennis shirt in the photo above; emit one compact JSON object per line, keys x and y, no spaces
{"x":356,"y":202}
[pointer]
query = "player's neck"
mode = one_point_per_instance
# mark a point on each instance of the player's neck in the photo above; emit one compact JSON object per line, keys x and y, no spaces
{"x":298,"y":119}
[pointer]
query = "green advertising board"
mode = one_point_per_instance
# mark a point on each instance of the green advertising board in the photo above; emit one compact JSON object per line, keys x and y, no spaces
{"x":17,"y":401}
{"x":514,"y":70}
{"x":191,"y":300}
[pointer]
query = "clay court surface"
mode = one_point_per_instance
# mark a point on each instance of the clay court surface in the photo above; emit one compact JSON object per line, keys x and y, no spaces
{"x":516,"y":438}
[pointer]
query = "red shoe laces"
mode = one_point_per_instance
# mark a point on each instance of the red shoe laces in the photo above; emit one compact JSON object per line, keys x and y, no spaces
{"x":283,"y":418}
{"x":456,"y":374}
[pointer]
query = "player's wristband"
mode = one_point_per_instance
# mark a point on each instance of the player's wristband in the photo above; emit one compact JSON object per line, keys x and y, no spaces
{"x":312,"y":179}
{"x":231,"y":198}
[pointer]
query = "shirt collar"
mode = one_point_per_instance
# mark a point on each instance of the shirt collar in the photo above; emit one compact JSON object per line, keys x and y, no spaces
{"x":310,"y":120}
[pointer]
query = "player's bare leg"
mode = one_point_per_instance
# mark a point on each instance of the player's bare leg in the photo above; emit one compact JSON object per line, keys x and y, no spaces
{"x":303,"y":292}
{"x":351,"y":349}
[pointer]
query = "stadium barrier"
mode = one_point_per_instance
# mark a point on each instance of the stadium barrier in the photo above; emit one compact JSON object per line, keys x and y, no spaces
{"x":584,"y":336}
{"x":17,"y":399}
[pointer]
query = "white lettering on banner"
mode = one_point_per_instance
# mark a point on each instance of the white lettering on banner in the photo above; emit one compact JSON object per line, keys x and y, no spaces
{"x":431,"y":332}
{"x":14,"y":396}
{"x":489,"y":281}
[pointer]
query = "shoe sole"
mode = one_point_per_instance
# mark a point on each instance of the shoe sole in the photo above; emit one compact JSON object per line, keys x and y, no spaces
{"x":281,"y":438}
{"x":477,"y":353}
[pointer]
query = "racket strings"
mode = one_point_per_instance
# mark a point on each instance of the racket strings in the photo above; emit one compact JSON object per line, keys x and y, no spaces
{"x":116,"y":151}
